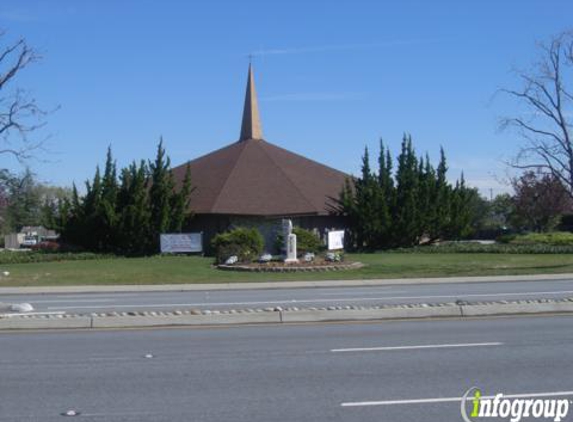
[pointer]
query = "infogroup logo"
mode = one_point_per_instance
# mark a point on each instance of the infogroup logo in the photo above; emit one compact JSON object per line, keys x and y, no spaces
{"x":476,"y":407}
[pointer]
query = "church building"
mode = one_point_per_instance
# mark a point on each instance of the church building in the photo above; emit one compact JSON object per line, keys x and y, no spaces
{"x":253,"y":183}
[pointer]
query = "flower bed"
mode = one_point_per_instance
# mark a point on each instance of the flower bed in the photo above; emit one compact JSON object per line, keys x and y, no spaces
{"x":281,"y":267}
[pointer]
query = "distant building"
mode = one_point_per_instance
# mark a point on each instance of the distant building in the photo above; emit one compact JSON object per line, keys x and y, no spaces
{"x":28,"y":236}
{"x":253,"y":183}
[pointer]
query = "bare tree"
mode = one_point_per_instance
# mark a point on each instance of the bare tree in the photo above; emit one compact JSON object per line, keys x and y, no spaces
{"x":545,"y":125}
{"x":19,"y":115}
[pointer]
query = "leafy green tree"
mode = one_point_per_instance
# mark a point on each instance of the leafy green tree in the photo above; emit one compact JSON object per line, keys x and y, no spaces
{"x":25,"y":201}
{"x":502,"y":212}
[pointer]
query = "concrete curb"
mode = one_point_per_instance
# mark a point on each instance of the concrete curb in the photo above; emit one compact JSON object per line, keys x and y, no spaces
{"x":276,"y":284}
{"x":32,"y":323}
{"x":371,"y":314}
{"x":517,"y":308}
{"x":174,"y":320}
{"x":289,"y":315}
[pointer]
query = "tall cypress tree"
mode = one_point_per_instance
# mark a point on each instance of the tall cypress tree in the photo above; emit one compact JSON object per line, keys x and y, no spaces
{"x":127,"y":215}
{"x":426,"y":210}
{"x":160,"y":194}
{"x":461,"y":216}
{"x":91,"y":206}
{"x":107,"y":214}
{"x":385,"y":197}
{"x":442,"y":203}
{"x":418,"y":199}
{"x":71,"y":219}
{"x":346,"y":206}
{"x":180,"y":203}
{"x":407,"y":181}
{"x":134,"y":218}
{"x":368,"y":199}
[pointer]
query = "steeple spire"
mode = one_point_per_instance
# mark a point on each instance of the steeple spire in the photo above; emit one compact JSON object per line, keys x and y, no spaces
{"x":251,"y":126}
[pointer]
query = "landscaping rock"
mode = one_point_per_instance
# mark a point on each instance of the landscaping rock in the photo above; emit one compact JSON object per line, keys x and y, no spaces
{"x":232,"y":260}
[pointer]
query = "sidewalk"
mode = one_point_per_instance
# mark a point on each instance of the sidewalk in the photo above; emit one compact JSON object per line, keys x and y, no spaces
{"x":275,"y":284}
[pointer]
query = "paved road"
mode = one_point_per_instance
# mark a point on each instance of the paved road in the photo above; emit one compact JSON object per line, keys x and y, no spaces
{"x":101,"y":302}
{"x":280,"y":373}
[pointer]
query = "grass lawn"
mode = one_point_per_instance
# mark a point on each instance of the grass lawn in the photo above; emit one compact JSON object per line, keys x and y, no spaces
{"x":173,"y":270}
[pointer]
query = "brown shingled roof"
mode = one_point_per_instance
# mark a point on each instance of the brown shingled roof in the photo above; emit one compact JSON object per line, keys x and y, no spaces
{"x":254,"y":177}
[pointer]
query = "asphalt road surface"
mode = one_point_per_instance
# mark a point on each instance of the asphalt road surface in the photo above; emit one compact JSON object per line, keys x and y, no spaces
{"x":300,"y":297}
{"x":327,"y":372}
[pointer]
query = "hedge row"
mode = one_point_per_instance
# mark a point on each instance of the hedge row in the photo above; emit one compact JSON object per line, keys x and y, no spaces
{"x":553,"y":238}
{"x":496,"y":248}
{"x":11,"y":257}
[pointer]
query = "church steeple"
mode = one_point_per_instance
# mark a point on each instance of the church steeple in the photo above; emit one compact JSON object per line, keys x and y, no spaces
{"x":251,"y":126}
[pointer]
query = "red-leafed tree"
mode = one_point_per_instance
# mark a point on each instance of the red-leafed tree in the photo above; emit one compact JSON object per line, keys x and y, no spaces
{"x":540,"y":199}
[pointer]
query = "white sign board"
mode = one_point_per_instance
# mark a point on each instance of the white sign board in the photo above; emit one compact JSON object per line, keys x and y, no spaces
{"x":335,"y":240}
{"x":181,"y":242}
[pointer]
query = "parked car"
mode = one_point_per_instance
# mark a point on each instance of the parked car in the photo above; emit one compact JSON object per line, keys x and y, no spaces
{"x":29,"y":241}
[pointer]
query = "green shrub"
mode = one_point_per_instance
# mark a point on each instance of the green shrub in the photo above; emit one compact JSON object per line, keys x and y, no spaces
{"x":505,"y":238}
{"x":306,"y":241}
{"x":247,"y":244}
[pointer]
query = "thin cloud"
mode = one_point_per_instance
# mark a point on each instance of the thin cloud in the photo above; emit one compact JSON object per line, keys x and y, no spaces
{"x":19,"y":16}
{"x":315,"y":96}
{"x":487,"y":186}
{"x":339,"y":47}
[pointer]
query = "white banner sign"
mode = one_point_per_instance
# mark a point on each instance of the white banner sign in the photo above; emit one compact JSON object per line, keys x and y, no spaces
{"x":335,"y":240}
{"x":181,"y":242}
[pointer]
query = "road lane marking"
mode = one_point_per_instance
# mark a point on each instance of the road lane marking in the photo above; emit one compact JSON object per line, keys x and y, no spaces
{"x":265,"y":302}
{"x":424,"y":346}
{"x":96,"y":295}
{"x":361,"y":291}
{"x":113,"y":358}
{"x":451,"y":399}
{"x":73,"y":300}
{"x":318,"y":300}
{"x":461,"y":296}
{"x":19,"y":314}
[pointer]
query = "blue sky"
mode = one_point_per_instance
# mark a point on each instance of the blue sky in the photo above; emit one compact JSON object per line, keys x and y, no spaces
{"x":332,"y":77}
